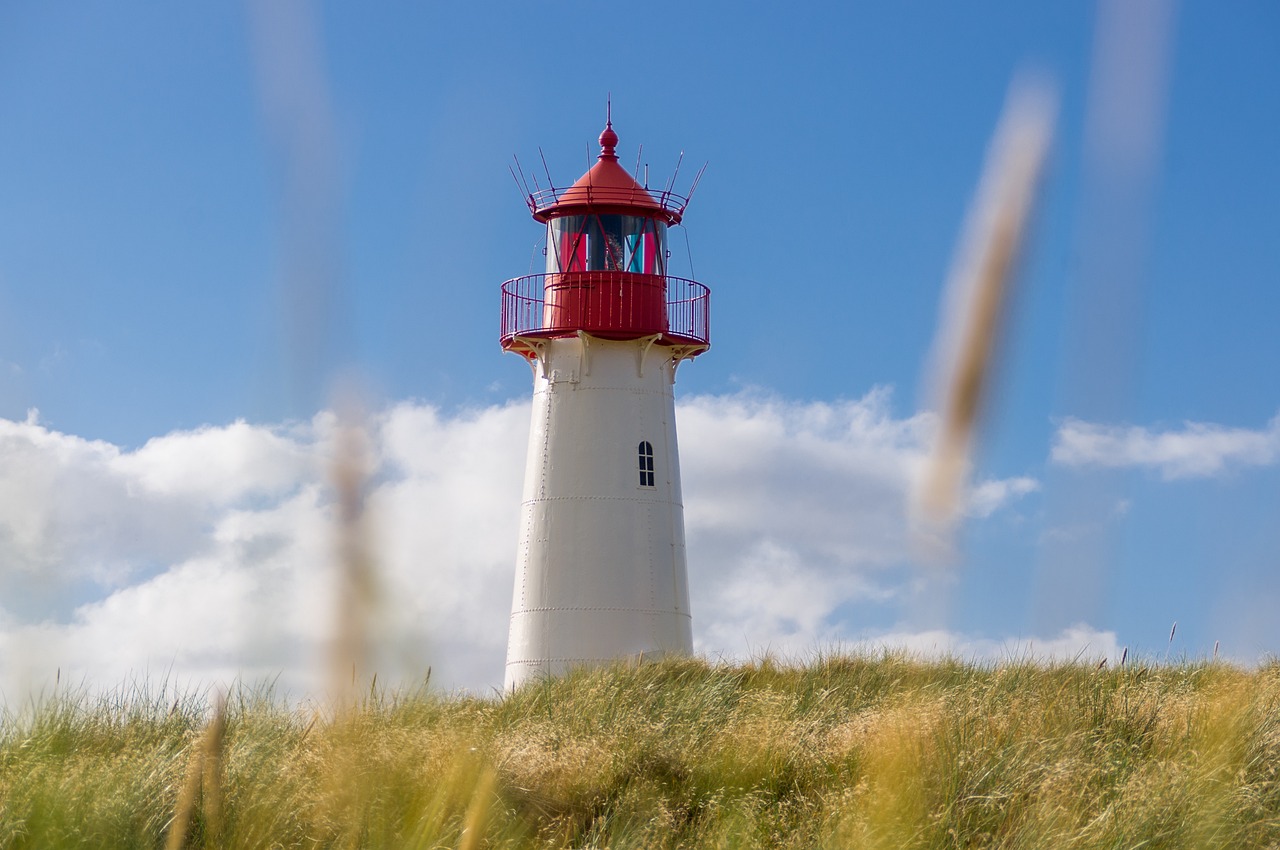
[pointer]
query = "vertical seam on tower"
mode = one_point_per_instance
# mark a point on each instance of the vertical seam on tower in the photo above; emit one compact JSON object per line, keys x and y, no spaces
{"x":666,"y":465}
{"x":543,"y":650}
{"x":668,"y":429}
{"x":653,"y":578}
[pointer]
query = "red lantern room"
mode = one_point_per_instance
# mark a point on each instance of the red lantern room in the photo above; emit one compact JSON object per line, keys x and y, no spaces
{"x":606,"y":272}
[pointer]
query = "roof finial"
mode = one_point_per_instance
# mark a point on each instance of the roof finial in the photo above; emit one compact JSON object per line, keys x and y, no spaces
{"x":608,"y":139}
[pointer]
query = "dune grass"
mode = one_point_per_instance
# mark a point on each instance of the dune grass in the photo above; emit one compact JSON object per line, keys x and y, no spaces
{"x":886,"y":751}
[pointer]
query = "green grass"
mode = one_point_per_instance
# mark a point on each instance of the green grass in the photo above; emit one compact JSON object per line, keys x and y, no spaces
{"x":885,"y":752}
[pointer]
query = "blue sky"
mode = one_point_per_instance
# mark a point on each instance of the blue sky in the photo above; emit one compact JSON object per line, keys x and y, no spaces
{"x":209,"y":212}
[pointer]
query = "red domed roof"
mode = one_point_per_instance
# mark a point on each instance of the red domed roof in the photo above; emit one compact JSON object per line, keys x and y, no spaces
{"x":606,"y":188}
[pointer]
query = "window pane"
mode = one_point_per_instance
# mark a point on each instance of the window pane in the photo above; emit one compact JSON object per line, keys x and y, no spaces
{"x":656,"y":248}
{"x":567,"y":244}
{"x":635,"y":254}
{"x":646,"y":463}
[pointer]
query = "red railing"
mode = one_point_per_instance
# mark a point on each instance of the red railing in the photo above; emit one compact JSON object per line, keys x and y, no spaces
{"x":668,"y":200}
{"x":617,"y":305}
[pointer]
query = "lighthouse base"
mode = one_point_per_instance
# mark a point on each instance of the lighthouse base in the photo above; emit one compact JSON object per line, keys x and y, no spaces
{"x":632,"y":636}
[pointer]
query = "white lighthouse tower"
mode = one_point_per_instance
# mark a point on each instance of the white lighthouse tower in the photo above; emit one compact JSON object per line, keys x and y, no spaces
{"x":600,"y":571}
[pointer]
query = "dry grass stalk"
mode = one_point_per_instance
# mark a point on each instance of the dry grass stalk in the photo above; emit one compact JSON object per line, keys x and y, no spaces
{"x":976,"y":295}
{"x":478,"y":811}
{"x":204,"y":782}
{"x":357,"y":582}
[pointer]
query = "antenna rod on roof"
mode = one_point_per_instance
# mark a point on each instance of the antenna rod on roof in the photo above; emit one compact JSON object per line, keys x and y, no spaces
{"x":639,"y":151}
{"x":528,"y":197}
{"x":550,"y":185}
{"x":696,"y":180}
{"x":523,"y":182}
{"x":672,"y":181}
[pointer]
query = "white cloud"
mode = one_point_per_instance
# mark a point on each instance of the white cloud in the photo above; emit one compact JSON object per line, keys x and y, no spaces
{"x":989,"y":496}
{"x":67,"y":514}
{"x":208,"y":555}
{"x":1077,"y":643}
{"x":828,"y":478}
{"x":1195,"y":450}
{"x":794,"y":510}
{"x":251,"y":461}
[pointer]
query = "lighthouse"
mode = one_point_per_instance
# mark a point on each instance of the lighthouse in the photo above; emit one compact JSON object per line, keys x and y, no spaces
{"x":600,"y":567}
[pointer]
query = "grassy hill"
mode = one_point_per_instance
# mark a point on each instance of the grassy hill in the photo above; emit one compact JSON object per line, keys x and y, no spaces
{"x":887,"y":752}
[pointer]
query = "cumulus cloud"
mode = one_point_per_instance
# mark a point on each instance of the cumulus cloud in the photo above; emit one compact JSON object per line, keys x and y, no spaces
{"x":1195,"y":450}
{"x":208,"y":555}
{"x":989,"y":496}
{"x":67,"y":514}
{"x":1076,"y":643}
{"x":222,"y":542}
{"x":796,"y":510}
{"x":252,"y":461}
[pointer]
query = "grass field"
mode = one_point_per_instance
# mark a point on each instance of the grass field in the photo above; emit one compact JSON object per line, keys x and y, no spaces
{"x":886,"y":752}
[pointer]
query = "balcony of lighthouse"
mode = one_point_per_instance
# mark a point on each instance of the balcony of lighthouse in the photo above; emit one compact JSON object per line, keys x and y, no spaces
{"x":608,"y":305}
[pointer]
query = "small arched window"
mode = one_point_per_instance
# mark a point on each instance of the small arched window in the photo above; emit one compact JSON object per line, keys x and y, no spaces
{"x":646,"y":463}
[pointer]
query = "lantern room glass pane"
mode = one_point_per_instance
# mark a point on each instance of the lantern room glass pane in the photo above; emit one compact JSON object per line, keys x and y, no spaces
{"x":567,"y":244}
{"x":606,"y":243}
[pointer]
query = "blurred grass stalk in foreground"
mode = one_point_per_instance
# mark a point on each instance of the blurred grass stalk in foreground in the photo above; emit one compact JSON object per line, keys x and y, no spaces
{"x":202,"y":788}
{"x":973,"y":305}
{"x":357,"y":598}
